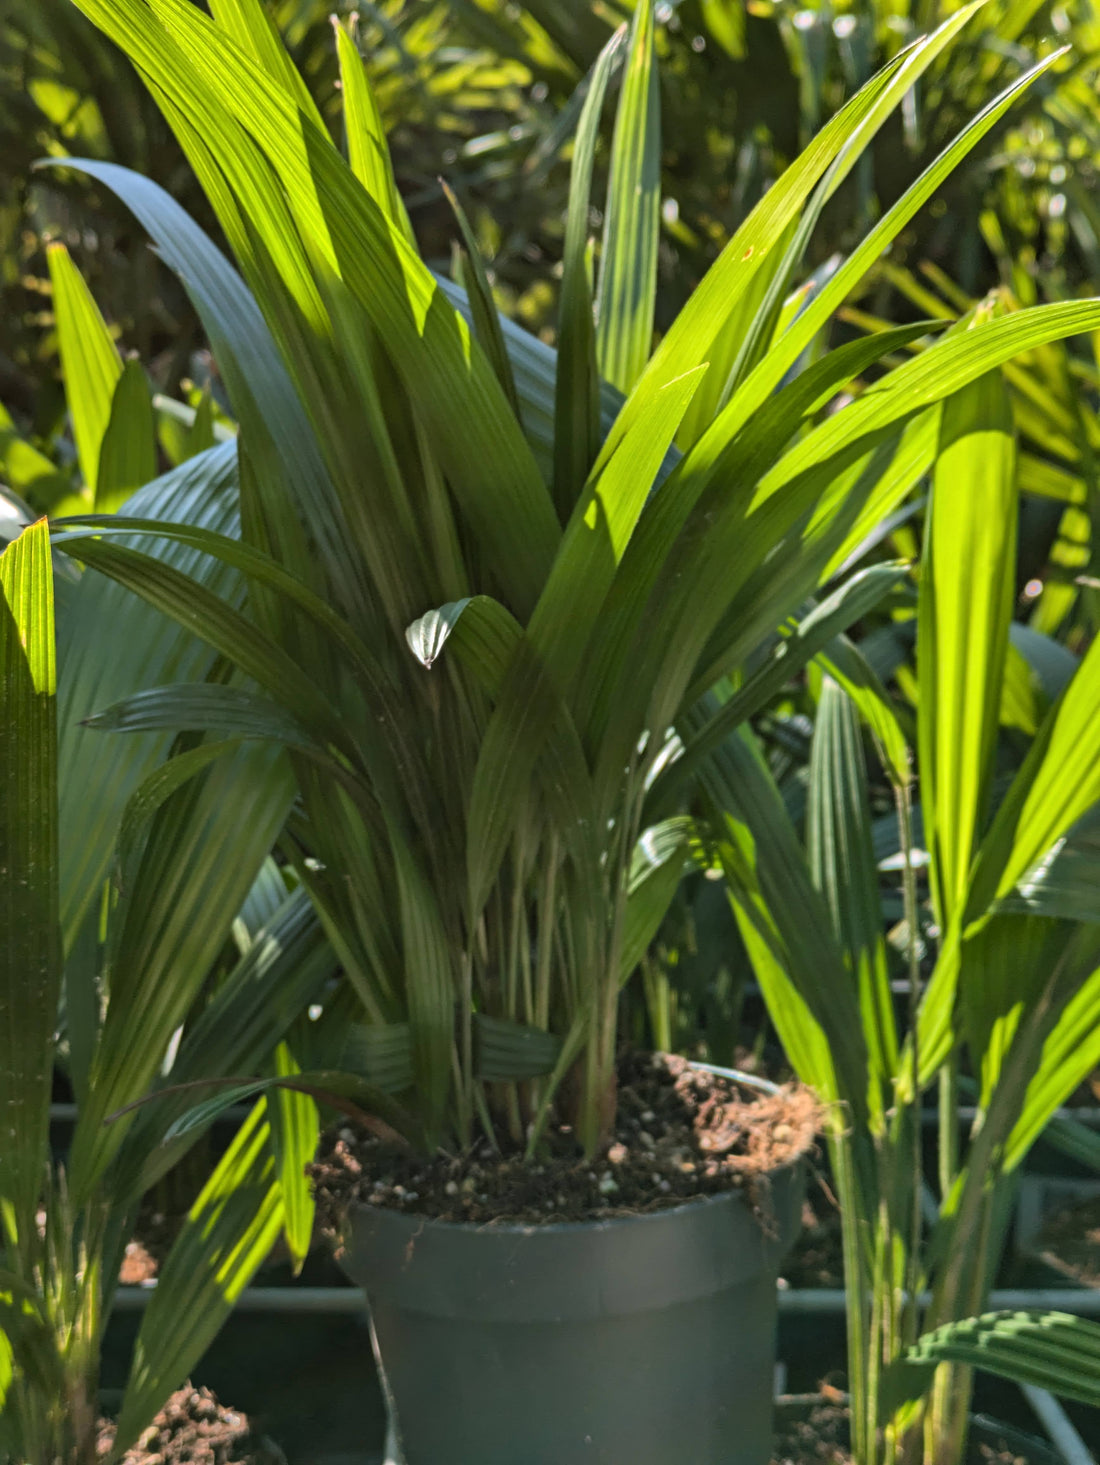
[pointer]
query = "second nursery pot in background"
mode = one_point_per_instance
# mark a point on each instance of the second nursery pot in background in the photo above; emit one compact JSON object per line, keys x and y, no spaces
{"x":646,"y":1338}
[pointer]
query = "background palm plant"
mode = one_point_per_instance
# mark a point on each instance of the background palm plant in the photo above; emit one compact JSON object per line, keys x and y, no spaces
{"x":1013,"y":991}
{"x":488,"y":96}
{"x":449,"y":98}
{"x":145,"y":918}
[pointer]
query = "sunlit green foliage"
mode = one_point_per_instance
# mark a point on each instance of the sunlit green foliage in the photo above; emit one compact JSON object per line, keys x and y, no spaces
{"x":473,"y":634}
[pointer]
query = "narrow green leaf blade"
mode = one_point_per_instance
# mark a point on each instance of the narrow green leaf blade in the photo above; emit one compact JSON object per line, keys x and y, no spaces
{"x":128,"y":453}
{"x":483,"y":310}
{"x":511,"y":1051}
{"x":284,"y":970}
{"x":90,"y":361}
{"x":348,"y":1093}
{"x":656,"y":871}
{"x":823,"y":303}
{"x":295,"y":1131}
{"x":30,"y":473}
{"x":560,"y":628}
{"x":842,"y":864}
{"x":142,"y":649}
{"x":27,"y":1340}
{"x":254,"y":29}
{"x":847,"y":665}
{"x":429,"y":983}
{"x":228,"y":1235}
{"x":1070,"y":1054}
{"x":967,"y":589}
{"x":30,"y":950}
{"x":577,"y":384}
{"x":1058,"y":783}
{"x":168,"y":929}
{"x":368,"y":151}
{"x":799,"y":643}
{"x":786,"y":924}
{"x":218,"y":623}
{"x":202,"y":707}
{"x":837,"y":146}
{"x":289,"y":172}
{"x":626,"y":299}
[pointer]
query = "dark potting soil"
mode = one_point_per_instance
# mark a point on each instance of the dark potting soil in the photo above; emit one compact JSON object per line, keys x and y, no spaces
{"x":195,"y":1428}
{"x":1070,"y":1241}
{"x":680,"y":1133}
{"x":816,"y":1258}
{"x":819,"y":1435}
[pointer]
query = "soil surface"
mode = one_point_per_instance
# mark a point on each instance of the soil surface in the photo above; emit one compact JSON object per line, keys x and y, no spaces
{"x":193,"y":1427}
{"x":1070,"y":1242}
{"x":680,"y":1133}
{"x":820,"y":1436}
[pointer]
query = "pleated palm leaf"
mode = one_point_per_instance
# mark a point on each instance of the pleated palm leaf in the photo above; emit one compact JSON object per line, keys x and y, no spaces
{"x":484,"y":585}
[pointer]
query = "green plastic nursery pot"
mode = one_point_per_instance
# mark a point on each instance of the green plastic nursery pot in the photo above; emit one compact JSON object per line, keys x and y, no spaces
{"x":633,"y":1341}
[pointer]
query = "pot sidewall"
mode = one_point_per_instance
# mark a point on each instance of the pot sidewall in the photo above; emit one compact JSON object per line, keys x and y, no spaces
{"x":641,"y":1339}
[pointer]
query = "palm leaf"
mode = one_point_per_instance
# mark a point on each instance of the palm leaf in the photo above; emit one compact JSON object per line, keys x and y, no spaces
{"x":228,"y":1234}
{"x":1052,"y":1350}
{"x":282,"y":973}
{"x":128,"y":454}
{"x":197,"y":866}
{"x":835,"y":149}
{"x":626,"y":298}
{"x":295,"y":1132}
{"x":842,"y":863}
{"x":368,"y":152}
{"x":576,"y":430}
{"x":89,"y":360}
{"x":142,"y":649}
{"x":966,"y":603}
{"x":477,"y":439}
{"x":30,"y":954}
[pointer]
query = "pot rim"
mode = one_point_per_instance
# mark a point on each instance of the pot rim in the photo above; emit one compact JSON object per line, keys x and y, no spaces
{"x":417,"y":1222}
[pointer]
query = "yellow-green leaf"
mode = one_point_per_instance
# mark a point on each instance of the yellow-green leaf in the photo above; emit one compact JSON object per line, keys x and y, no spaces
{"x":30,"y":950}
{"x":967,"y":589}
{"x":90,"y":363}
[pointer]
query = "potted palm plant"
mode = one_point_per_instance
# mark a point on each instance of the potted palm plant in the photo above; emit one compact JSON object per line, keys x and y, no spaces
{"x":490,"y":591}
